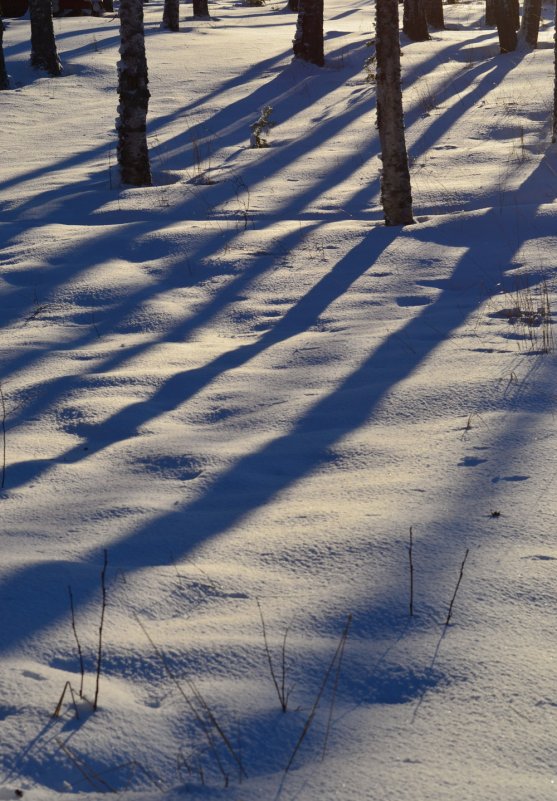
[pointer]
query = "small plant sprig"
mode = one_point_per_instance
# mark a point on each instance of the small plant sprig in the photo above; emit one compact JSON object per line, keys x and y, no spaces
{"x":450,"y":612}
{"x":411,"y":570}
{"x":283,"y":692}
{"x":68,"y":687}
{"x":261,"y":128}
{"x":336,"y":661}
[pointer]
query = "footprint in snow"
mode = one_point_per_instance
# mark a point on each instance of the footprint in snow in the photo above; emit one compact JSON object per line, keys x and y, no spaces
{"x":414,"y":300}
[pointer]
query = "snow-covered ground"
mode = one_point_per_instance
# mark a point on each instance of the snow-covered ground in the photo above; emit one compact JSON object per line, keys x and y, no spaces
{"x":246,"y":391}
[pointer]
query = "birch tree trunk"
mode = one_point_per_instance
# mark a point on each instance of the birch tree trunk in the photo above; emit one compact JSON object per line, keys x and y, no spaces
{"x":414,"y":23}
{"x":200,"y":8}
{"x":133,"y":156}
{"x":171,"y":15}
{"x":530,"y":26}
{"x":505,"y":26}
{"x":308,"y":41}
{"x":44,"y":55}
{"x":396,"y":194}
{"x":4,"y":82}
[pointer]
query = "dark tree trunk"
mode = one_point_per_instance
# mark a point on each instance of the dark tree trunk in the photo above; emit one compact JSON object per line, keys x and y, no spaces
{"x":292,"y":5}
{"x":133,"y":156}
{"x":308,"y":41}
{"x":490,"y":16}
{"x":414,"y":23}
{"x":530,"y":27}
{"x":505,"y":26}
{"x":44,"y":55}
{"x":515,"y":11}
{"x":554,"y":138}
{"x":200,"y":8}
{"x":396,"y":194}
{"x":434,"y":13}
{"x":171,"y":15}
{"x":108,"y":5}
{"x":4,"y":82}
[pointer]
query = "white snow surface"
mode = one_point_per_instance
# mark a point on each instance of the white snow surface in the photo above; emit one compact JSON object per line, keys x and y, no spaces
{"x":246,"y":391}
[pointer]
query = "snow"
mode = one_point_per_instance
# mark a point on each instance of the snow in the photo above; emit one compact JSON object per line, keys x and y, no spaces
{"x":246,"y":390}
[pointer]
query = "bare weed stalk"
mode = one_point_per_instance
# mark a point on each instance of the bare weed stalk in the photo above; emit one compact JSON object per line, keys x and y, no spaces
{"x":280,"y":686}
{"x":343,"y":639}
{"x":411,"y":567}
{"x":79,"y":650}
{"x":449,"y":613}
{"x":90,"y":775}
{"x":101,"y":627}
{"x":337,"y":657}
{"x":207,"y":721}
{"x":67,"y":688}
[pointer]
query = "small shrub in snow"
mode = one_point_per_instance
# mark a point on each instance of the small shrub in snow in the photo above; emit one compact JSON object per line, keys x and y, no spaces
{"x":260,"y":129}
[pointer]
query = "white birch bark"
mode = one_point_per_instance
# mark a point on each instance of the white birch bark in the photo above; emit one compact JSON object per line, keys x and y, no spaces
{"x":133,"y":156}
{"x":396,"y":194}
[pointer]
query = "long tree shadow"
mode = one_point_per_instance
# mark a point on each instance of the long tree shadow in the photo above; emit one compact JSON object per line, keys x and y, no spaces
{"x":185,"y":385}
{"x":286,"y":460}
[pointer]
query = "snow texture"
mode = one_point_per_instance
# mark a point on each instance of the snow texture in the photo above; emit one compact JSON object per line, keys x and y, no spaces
{"x":247,"y":390}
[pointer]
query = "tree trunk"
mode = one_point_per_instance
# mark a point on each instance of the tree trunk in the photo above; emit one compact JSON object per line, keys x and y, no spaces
{"x":44,"y":55}
{"x":490,"y":16}
{"x":396,"y":194}
{"x":108,"y":5}
{"x":434,"y":13}
{"x":292,"y":5}
{"x":4,"y":82}
{"x":530,"y":27}
{"x":414,"y":23}
{"x":171,"y":15}
{"x":133,"y":156}
{"x":515,"y":11}
{"x":554,"y":138}
{"x":308,"y":41}
{"x":505,"y":26}
{"x":200,"y":8}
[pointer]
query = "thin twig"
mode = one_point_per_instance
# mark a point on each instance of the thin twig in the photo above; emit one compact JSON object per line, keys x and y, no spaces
{"x":447,"y":621}
{"x":56,"y":713}
{"x":313,"y":710}
{"x":101,"y":626}
{"x":191,"y":706}
{"x":410,"y":554}
{"x":79,"y":651}
{"x":86,"y":771}
{"x":279,"y":689}
{"x":344,"y":637}
{"x":285,"y":694}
